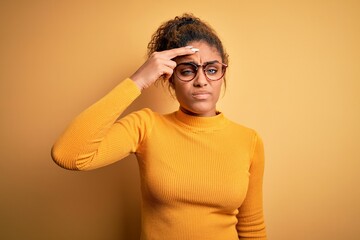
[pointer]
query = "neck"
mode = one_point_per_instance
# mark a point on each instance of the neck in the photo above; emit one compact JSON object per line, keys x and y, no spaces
{"x":209,"y":114}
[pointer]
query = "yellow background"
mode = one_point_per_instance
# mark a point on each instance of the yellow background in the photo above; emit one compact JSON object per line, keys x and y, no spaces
{"x":294,"y":76}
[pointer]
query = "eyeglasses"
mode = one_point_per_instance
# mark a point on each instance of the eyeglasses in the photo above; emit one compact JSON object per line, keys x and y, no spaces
{"x":213,"y":70}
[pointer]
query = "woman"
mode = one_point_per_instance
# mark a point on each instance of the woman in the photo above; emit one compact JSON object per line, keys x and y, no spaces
{"x":201,"y":174}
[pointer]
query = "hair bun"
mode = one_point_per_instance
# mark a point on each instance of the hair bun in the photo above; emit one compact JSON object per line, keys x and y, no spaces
{"x":186,"y":19}
{"x":180,"y":31}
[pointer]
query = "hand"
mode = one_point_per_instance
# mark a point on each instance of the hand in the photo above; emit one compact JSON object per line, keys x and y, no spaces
{"x":159,"y":64}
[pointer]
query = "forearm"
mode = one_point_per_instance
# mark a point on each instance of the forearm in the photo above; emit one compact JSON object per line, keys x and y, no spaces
{"x":251,"y":223}
{"x":80,"y":142}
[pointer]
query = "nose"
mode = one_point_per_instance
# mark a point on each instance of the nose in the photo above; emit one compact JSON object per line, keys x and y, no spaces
{"x":200,"y":80}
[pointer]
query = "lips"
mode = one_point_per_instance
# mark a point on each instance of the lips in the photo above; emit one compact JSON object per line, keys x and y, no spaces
{"x":201,"y":95}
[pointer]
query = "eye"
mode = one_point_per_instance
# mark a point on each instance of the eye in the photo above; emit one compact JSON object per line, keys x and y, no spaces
{"x":211,"y":70}
{"x":186,"y":70}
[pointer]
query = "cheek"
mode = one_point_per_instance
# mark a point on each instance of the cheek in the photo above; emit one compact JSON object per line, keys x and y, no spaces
{"x":180,"y":91}
{"x":217,"y":88}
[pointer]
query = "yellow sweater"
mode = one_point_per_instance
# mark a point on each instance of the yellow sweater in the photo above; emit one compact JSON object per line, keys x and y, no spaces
{"x":201,"y":177}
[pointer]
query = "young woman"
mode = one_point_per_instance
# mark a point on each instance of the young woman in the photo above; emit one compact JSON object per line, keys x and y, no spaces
{"x":201,"y":174}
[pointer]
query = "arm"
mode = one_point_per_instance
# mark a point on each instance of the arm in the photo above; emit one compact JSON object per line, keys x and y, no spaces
{"x":93,"y":139}
{"x":250,"y":217}
{"x":89,"y":141}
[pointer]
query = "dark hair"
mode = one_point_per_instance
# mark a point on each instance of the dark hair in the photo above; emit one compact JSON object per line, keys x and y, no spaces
{"x":181,"y":30}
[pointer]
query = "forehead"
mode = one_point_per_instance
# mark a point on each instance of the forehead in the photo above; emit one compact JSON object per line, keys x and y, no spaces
{"x":206,"y":53}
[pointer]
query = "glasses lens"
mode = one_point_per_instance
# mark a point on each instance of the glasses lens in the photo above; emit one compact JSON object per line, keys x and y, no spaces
{"x":186,"y":71}
{"x":214,"y":71}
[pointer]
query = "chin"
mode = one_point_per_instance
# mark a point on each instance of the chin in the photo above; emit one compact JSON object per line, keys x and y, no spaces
{"x":202,"y":110}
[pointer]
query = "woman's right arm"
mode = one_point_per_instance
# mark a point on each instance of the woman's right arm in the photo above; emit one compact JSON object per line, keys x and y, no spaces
{"x":89,"y":140}
{"x":95,"y":138}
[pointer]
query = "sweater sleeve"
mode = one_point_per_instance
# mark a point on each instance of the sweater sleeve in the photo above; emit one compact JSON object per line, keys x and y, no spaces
{"x":96,"y":138}
{"x":250,"y":217}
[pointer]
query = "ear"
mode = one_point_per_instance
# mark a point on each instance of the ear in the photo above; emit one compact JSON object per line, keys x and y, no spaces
{"x":172,"y":82}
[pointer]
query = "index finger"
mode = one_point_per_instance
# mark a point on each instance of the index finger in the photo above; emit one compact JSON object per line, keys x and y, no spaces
{"x":175,"y":52}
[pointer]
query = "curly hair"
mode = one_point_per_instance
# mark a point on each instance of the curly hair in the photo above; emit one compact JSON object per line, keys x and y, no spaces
{"x":182,"y":30}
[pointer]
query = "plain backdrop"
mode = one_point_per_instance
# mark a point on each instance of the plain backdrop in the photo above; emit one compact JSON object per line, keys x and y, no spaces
{"x":294,"y":76}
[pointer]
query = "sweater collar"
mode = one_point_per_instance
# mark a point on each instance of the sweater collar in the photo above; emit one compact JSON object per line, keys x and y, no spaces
{"x":211,"y":123}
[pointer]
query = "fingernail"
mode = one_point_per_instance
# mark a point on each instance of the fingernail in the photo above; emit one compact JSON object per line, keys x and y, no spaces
{"x":194,"y":49}
{"x":189,"y":47}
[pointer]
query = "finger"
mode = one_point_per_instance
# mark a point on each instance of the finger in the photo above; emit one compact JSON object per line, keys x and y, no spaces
{"x":175,"y":52}
{"x":170,"y":63}
{"x":166,"y":73}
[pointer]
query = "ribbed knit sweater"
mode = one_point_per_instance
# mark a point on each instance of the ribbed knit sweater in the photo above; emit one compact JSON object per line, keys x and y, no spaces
{"x":201,"y":177}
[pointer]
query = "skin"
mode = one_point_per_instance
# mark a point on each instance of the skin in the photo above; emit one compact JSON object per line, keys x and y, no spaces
{"x":197,"y":97}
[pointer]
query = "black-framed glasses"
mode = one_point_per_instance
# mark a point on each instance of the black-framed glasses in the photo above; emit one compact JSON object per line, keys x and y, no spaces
{"x":213,"y":70}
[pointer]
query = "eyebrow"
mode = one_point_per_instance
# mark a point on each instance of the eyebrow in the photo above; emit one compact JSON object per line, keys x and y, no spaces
{"x":205,"y":63}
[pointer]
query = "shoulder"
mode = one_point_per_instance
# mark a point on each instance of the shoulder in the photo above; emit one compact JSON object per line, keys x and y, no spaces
{"x":245,"y":134}
{"x":145,"y":116}
{"x":241,"y":129}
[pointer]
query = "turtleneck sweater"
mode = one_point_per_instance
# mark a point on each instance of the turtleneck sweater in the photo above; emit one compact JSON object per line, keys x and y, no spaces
{"x":201,"y":177}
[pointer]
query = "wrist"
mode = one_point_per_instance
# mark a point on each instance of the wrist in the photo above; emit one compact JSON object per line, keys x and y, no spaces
{"x":138,"y":82}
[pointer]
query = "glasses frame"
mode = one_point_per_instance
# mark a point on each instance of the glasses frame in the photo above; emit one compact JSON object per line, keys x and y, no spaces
{"x":203,"y":66}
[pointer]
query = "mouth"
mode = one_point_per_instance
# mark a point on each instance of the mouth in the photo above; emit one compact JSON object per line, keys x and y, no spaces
{"x":201,"y":95}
